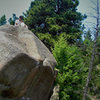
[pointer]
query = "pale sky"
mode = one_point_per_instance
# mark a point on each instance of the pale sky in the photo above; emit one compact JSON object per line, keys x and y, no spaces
{"x":87,"y":7}
{"x":8,"y":7}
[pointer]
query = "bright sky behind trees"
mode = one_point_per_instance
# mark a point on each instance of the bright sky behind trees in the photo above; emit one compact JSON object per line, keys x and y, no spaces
{"x":87,"y":7}
{"x":8,"y":7}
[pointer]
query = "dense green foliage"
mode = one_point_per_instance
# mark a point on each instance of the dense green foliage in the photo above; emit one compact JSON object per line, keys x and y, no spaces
{"x":73,"y":63}
{"x":55,"y":17}
{"x":13,"y":19}
{"x":70,"y":65}
{"x":87,"y":47}
{"x":94,"y":85}
{"x":3,"y":20}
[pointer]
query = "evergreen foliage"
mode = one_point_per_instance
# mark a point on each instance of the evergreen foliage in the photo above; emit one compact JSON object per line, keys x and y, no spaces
{"x":3,"y":20}
{"x":13,"y":19}
{"x":70,"y":65}
{"x":55,"y":17}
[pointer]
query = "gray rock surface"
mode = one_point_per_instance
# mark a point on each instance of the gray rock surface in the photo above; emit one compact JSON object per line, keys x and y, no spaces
{"x":55,"y":95}
{"x":26,"y":65}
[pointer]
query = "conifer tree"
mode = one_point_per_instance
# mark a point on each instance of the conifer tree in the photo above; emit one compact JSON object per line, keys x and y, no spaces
{"x":55,"y":17}
{"x":3,"y":20}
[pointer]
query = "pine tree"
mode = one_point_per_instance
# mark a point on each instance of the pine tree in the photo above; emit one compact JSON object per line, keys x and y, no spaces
{"x":13,"y":19}
{"x":71,"y":70}
{"x":3,"y":20}
{"x":55,"y":17}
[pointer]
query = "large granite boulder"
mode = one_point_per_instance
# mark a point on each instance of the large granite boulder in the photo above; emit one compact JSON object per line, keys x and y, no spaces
{"x":26,"y":65}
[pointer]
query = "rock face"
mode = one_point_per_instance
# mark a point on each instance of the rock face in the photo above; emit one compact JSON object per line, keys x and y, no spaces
{"x":26,"y":65}
{"x":55,"y":95}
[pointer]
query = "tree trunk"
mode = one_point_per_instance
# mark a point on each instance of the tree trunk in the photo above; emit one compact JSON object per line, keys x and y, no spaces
{"x":92,"y":56}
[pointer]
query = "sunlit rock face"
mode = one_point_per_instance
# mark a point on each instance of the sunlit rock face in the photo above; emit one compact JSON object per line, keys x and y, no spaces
{"x":26,"y":65}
